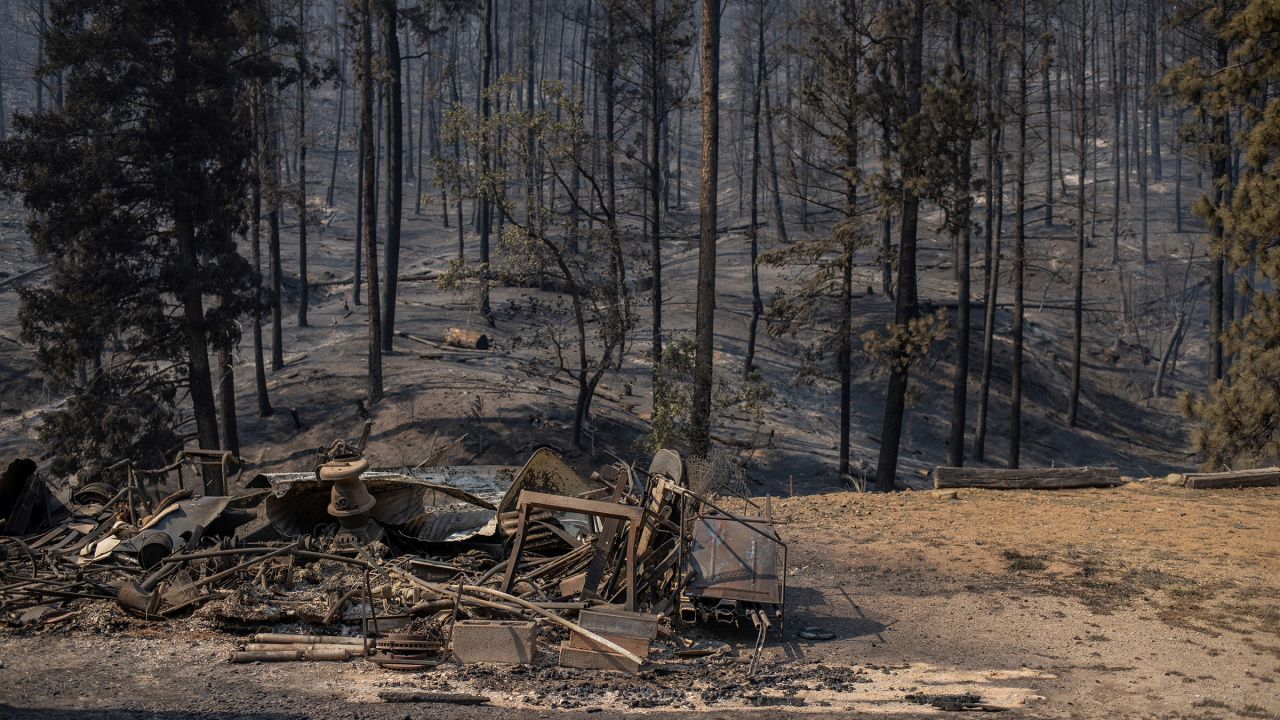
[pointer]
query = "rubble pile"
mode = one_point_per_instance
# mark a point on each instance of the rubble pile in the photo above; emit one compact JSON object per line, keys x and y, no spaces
{"x":406,"y":568}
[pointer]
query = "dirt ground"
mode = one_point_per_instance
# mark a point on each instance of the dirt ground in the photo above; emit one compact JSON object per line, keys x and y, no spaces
{"x":1145,"y":601}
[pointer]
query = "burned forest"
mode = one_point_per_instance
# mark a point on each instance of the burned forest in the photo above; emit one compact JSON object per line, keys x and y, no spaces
{"x":673,"y":358}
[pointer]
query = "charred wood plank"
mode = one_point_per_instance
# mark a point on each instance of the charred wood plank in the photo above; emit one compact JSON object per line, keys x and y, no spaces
{"x":1026,"y":478}
{"x":1261,"y":477}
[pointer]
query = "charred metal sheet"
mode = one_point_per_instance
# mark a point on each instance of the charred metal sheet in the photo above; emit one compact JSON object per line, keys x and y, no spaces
{"x":545,"y":472}
{"x":733,"y":560}
{"x":177,"y":527}
{"x":26,"y":504}
{"x":442,"y":504}
{"x":612,"y":621}
{"x":468,"y":483}
{"x":668,"y":462}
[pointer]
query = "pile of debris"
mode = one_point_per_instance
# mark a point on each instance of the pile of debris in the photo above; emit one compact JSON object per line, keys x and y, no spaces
{"x":405,"y":567}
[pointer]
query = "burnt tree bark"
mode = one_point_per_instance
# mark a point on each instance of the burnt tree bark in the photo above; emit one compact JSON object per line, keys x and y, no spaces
{"x":905,"y":307}
{"x":255,"y":249}
{"x":993,"y":229}
{"x":340,"y":56}
{"x":273,"y":191}
{"x":1082,"y":124}
{"x":302,"y":165}
{"x":485,"y":213}
{"x":370,"y":213}
{"x":960,"y":382}
{"x":757,"y":304}
{"x":706,"y":306}
{"x":1019,"y":251}
{"x":198,"y":378}
{"x":395,"y":172}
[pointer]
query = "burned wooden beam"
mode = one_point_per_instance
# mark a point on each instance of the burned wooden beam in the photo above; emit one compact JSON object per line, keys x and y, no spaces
{"x":1261,"y":477}
{"x":1026,"y":478}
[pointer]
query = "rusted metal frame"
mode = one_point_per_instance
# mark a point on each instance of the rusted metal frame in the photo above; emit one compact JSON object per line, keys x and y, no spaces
{"x":604,"y":542}
{"x":558,"y":564}
{"x":372,"y":615}
{"x":666,"y":558}
{"x":569,"y":540}
{"x":579,"y":506}
{"x":633,"y":515}
{"x":50,"y":535}
{"x":682,"y":536}
{"x":655,"y":492}
{"x":35,"y":567}
{"x":203,"y":458}
{"x":229,"y":572}
{"x":749,"y":522}
{"x":513,"y":562}
{"x":506,"y":601}
{"x":130,"y":484}
{"x":761,"y":621}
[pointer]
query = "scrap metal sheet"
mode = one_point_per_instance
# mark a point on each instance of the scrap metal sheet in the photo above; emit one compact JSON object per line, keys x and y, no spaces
{"x":734,"y":562}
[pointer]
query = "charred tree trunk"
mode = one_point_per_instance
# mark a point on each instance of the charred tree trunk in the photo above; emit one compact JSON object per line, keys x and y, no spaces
{"x":655,"y":82}
{"x":1077,"y":308}
{"x":255,"y":249}
{"x":303,"y":290}
{"x":227,"y":392}
{"x":994,"y":228}
{"x":357,"y":277}
{"x":1019,"y":252}
{"x":199,"y":383}
{"x":1048,"y":147}
{"x":779,"y":218}
{"x":960,"y":383}
{"x":370,"y":215}
{"x":1115,"y":138}
{"x":395,"y":172}
{"x":757,"y":305}
{"x":706,"y":307}
{"x":905,"y":309}
{"x":341,"y":57}
{"x":485,"y":213}
{"x":886,"y":230}
{"x":273,"y":192}
{"x":1217,"y":233}
{"x":1177,"y":171}
{"x":1153,"y":105}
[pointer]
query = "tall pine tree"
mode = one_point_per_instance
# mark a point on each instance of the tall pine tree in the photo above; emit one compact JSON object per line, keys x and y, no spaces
{"x":135,"y":187}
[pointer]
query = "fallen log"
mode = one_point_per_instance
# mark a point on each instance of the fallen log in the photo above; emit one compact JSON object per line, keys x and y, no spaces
{"x":1026,"y":478}
{"x":463,"y":338}
{"x":1261,"y":477}
{"x":22,"y":276}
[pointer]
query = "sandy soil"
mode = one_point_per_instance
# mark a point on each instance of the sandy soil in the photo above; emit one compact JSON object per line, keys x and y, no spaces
{"x":1144,"y":601}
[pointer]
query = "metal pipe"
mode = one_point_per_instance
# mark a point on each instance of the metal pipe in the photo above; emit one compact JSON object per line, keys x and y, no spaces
{"x":307,"y":639}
